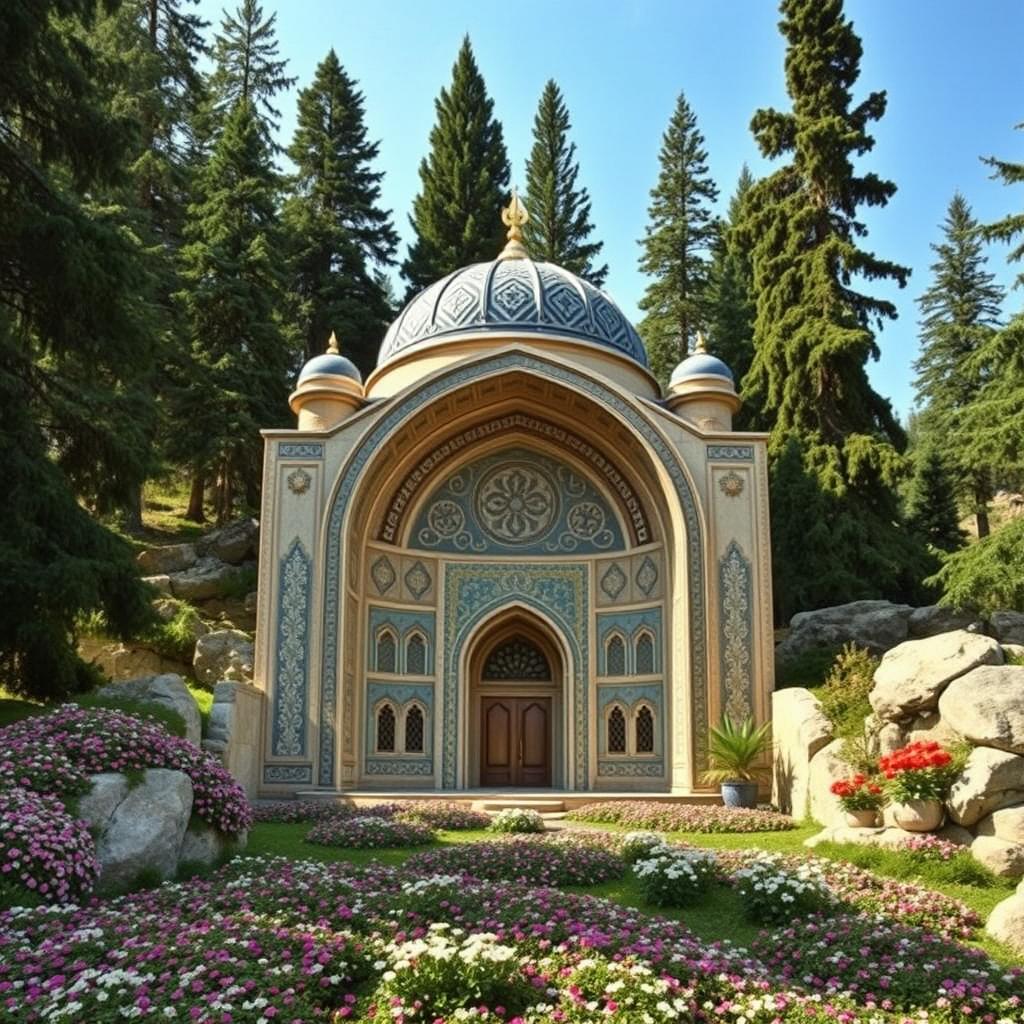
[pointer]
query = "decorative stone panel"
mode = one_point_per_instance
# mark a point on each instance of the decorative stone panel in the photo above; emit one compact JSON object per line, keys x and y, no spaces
{"x":736,"y":633}
{"x":290,"y":717}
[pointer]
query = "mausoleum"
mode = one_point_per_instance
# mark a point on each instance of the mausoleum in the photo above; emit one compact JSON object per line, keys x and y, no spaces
{"x":506,"y":559}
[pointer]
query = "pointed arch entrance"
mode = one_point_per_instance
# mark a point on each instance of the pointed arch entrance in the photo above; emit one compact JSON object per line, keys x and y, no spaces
{"x":517,"y":675}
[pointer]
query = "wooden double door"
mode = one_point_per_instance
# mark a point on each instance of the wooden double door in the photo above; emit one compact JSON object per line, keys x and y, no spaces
{"x":515,"y":741}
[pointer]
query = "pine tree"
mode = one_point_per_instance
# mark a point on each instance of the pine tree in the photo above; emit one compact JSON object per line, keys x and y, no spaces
{"x":959,"y":314}
{"x":813,"y":334}
{"x":677,"y":245}
{"x":931,"y":504}
{"x":559,"y":226}
{"x":235,"y":379}
{"x":338,"y":234}
{"x":457,"y":214}
{"x":733,"y":308}
{"x":1010,"y":227}
{"x":71,"y":339}
{"x":247,"y":68}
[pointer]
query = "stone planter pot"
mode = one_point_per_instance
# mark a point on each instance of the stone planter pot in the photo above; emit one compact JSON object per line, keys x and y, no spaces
{"x":739,"y":794}
{"x":867,"y":818}
{"x":918,"y":815}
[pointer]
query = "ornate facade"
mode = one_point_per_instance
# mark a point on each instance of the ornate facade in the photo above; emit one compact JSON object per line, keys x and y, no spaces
{"x":507,"y":559}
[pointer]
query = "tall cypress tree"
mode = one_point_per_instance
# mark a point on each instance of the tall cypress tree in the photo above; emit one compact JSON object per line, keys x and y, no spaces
{"x":559,"y":226}
{"x":247,"y":66}
{"x":959,"y":313}
{"x":678,"y":244}
{"x":337,"y":232}
{"x":733,"y":308}
{"x":71,"y":339}
{"x":813,"y":334}
{"x":235,"y":378}
{"x":457,"y":214}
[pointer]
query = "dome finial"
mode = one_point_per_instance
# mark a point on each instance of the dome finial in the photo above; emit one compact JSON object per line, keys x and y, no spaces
{"x":332,"y":345}
{"x":514,"y":216}
{"x":701,"y":345}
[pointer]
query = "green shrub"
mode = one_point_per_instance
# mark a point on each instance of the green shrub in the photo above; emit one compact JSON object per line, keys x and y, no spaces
{"x":176,"y":638}
{"x":988,"y":575}
{"x":807,"y":669}
{"x":844,"y":697}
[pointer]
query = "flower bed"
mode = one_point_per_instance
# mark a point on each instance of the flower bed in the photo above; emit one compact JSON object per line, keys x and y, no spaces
{"x":674,"y":876}
{"x":45,"y":854}
{"x":681,"y":817}
{"x":775,"y":890}
{"x":517,"y":819}
{"x":368,"y":832}
{"x":445,"y":815}
{"x":267,"y":940}
{"x":57,"y":752}
{"x":540,"y":861}
{"x":291,"y":812}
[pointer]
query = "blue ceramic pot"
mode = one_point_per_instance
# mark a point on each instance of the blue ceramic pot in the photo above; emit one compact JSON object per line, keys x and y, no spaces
{"x":739,"y":794}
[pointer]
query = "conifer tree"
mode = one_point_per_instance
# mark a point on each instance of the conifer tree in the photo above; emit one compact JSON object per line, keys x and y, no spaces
{"x":931,"y":504}
{"x":234,"y":381}
{"x":733,"y":309}
{"x":677,"y":245}
{"x":1011,"y":227}
{"x":959,"y":313}
{"x":559,"y":227}
{"x":247,"y":66}
{"x":337,"y":233}
{"x":814,"y":329}
{"x":457,"y":214}
{"x":71,"y":339}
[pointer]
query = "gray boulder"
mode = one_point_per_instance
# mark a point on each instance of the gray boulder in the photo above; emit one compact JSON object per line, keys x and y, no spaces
{"x":1007,"y":627}
{"x":206,"y":846}
{"x":931,"y":727}
{"x":207,"y":578}
{"x":1013,"y":650}
{"x":167,"y":559}
{"x":144,"y":832}
{"x":1006,"y":922}
{"x":989,"y":781}
{"x":986,"y":706}
{"x":168,"y":690}
{"x":1000,"y":856}
{"x":233,"y":543}
{"x":97,"y":807}
{"x":223,"y":654}
{"x":1005,"y":823}
{"x":912,"y":676}
{"x":161,"y":582}
{"x":800,"y":729}
{"x":933,"y":619}
{"x":827,"y":767}
{"x":876,"y":625}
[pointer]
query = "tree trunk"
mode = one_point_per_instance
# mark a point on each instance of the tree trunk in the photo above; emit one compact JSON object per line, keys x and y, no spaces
{"x":981,"y":497}
{"x":133,"y":511}
{"x":195,"y":499}
{"x":981,"y":518}
{"x":225,"y":497}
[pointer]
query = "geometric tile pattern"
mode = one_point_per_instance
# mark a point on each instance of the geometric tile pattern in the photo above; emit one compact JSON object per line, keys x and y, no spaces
{"x":382,"y":572}
{"x":613,"y":581}
{"x":290,"y":718}
{"x":735,"y":594}
{"x":647,"y":576}
{"x":517,"y":296}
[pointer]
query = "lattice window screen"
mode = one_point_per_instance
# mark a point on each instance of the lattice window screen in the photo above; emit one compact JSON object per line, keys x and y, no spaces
{"x":616,"y":732}
{"x":416,"y":656}
{"x":517,"y":659}
{"x":386,"y":729}
{"x":644,"y":731}
{"x":414,"y":731}
{"x":615,"y":657}
{"x":387,"y":660}
{"x":645,"y":655}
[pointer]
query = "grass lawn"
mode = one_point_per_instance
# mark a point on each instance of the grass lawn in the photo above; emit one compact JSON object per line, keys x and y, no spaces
{"x":718,"y":916}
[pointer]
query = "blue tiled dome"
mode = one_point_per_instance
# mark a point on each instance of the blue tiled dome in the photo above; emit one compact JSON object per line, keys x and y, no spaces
{"x":700,"y":364}
{"x":512,"y":296}
{"x":333,"y":364}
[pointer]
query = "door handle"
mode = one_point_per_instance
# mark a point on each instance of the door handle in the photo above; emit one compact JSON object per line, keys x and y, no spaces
{"x":520,"y":749}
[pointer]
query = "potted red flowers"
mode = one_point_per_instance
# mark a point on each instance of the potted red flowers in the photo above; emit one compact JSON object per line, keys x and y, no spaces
{"x":860,"y":797}
{"x":917,"y":778}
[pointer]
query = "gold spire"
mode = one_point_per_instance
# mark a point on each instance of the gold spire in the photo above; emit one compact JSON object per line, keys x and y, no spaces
{"x":332,"y":345}
{"x":702,"y":345}
{"x":514,"y":216}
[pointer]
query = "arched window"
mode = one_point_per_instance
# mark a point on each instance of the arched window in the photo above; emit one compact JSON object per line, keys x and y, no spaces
{"x":644,"y":731}
{"x":517,"y":659}
{"x":414,"y":730}
{"x":616,"y":731}
{"x":416,"y":656}
{"x":615,"y":656}
{"x":645,"y":655}
{"x":386,"y":654}
{"x":386,"y":729}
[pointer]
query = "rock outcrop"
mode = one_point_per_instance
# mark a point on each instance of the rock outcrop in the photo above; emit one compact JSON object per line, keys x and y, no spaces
{"x":986,"y":706}
{"x":168,"y":691}
{"x":876,"y":625}
{"x":1006,"y":922}
{"x":800,"y":729}
{"x":223,"y":654}
{"x":990,"y":779}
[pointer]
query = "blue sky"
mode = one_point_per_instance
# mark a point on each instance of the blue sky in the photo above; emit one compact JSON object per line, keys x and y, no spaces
{"x":952,"y":72}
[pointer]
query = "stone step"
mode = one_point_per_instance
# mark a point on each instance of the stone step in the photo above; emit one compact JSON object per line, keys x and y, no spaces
{"x":539,"y":804}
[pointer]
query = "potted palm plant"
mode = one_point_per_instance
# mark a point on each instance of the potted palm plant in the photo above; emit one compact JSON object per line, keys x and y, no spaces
{"x":733,"y":750}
